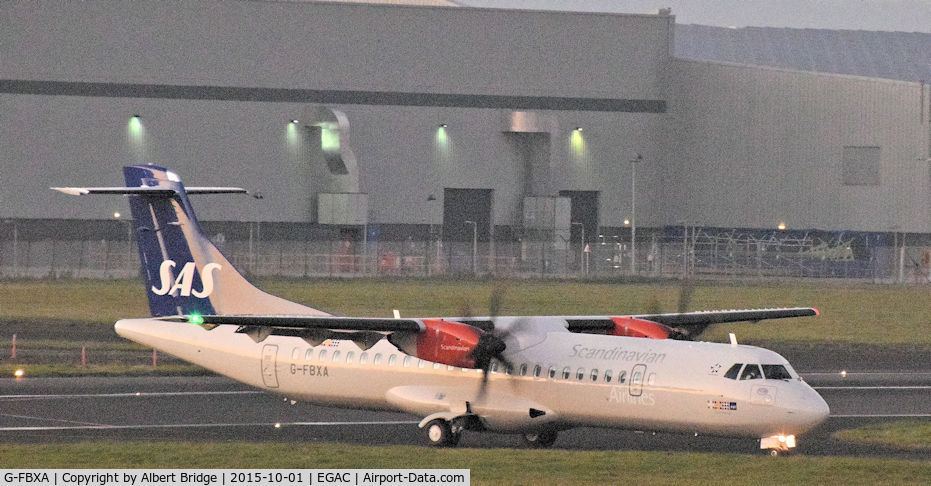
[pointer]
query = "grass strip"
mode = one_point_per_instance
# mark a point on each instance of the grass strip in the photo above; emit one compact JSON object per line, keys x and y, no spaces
{"x":487,"y":466}
{"x":850,"y":313}
{"x":905,"y":434}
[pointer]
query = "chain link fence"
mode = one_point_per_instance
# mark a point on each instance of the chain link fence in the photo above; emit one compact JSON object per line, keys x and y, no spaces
{"x":673,"y":252}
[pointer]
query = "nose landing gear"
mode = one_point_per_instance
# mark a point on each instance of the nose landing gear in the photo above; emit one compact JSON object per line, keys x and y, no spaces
{"x":778,"y":445}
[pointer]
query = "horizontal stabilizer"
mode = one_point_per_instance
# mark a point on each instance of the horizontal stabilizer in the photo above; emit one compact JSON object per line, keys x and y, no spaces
{"x":147,"y":191}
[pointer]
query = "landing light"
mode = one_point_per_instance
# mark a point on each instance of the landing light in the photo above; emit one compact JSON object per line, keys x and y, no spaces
{"x":19,"y":373}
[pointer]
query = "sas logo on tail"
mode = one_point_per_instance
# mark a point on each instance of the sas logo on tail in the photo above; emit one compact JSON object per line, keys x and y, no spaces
{"x":185,"y":280}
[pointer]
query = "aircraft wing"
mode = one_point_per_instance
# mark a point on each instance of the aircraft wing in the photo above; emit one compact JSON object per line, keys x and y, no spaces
{"x":364,"y":331}
{"x":713,"y":317}
{"x":689,"y":324}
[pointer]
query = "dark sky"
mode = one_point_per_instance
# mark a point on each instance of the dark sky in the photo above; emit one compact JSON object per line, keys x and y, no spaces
{"x":888,"y":15}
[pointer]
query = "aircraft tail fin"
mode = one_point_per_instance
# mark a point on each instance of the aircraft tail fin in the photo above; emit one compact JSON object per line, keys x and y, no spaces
{"x":184,"y":273}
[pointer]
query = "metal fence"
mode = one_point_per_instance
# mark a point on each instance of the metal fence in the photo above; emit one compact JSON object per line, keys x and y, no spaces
{"x":665,"y":253}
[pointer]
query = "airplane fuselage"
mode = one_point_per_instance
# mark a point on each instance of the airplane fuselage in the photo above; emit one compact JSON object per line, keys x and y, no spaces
{"x":559,"y":381}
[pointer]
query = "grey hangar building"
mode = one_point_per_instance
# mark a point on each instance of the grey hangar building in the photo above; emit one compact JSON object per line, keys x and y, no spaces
{"x":439,"y":131}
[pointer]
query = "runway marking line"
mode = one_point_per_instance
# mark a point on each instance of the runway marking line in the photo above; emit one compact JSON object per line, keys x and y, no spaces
{"x":29,"y":417}
{"x":882,"y":415}
{"x":179,"y":426}
{"x":127,"y":394}
{"x":892,"y":387}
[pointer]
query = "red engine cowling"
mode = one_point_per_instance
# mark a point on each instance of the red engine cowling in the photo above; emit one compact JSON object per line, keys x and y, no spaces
{"x":633,"y":327}
{"x":446,"y":342}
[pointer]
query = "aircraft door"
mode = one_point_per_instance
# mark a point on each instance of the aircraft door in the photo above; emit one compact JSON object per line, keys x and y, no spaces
{"x":270,"y":365}
{"x":636,"y":379}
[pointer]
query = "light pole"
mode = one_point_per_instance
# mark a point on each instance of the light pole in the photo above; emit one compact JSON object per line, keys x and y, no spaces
{"x":474,"y":244}
{"x":636,"y":159}
{"x":582,"y":249}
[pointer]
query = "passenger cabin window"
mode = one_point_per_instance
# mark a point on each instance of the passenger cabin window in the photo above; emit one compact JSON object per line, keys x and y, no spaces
{"x":335,"y":355}
{"x":392,"y":360}
{"x":751,"y":372}
{"x":607,"y":376}
{"x":622,"y":377}
{"x":733,"y":372}
{"x":776,"y":372}
{"x":349,"y":356}
{"x":309,"y":355}
{"x":537,"y":370}
{"x":295,"y":354}
{"x":552,"y":372}
{"x":322,"y":355}
{"x":377,"y":358}
{"x":580,"y":374}
{"x":523,"y":369}
{"x":421,"y":364}
{"x":406,"y":362}
{"x":566,"y":372}
{"x":595,"y":374}
{"x":364,"y":358}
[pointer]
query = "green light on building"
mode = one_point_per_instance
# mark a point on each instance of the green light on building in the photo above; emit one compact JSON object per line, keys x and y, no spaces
{"x":329,"y":139}
{"x":442,"y":139}
{"x":577,"y":142}
{"x":135,"y":128}
{"x":293,"y":133}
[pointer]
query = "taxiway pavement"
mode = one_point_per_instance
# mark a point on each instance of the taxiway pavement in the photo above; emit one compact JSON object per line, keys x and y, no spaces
{"x":208,"y":408}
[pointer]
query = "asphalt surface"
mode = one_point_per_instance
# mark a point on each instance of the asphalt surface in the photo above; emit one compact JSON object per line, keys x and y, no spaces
{"x":61,"y":410}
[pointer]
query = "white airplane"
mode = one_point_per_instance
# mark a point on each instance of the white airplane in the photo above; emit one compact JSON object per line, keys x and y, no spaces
{"x":532,"y":375}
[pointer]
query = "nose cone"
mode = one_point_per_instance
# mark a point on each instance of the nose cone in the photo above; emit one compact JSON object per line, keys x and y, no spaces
{"x":809,"y":410}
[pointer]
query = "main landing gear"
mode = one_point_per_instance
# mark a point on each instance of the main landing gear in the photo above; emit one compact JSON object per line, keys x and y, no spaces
{"x":540,"y":440}
{"x":442,"y":433}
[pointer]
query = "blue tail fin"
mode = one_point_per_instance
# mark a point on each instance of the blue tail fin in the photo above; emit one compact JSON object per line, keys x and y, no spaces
{"x":174,"y":284}
{"x":183,"y":271}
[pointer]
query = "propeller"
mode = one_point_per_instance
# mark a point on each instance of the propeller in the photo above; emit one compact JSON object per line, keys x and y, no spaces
{"x":491,"y":345}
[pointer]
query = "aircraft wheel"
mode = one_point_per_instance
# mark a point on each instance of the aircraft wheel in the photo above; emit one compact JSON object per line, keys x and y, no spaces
{"x":541,"y":439}
{"x":440,"y":434}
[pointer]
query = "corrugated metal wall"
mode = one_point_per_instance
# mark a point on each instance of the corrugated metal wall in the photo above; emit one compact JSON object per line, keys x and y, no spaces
{"x":752,"y":147}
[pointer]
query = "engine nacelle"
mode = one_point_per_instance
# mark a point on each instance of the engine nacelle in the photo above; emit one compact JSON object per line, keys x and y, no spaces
{"x":633,"y":327}
{"x":447,"y":342}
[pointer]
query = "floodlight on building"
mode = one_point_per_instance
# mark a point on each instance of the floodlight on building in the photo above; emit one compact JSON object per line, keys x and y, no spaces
{"x":116,"y":215}
{"x":443,"y":125}
{"x":295,"y":121}
{"x":782,"y":226}
{"x":578,"y":129}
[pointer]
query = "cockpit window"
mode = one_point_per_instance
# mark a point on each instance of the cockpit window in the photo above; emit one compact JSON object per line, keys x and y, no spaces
{"x":733,"y":371}
{"x":751,"y":372}
{"x":776,"y":372}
